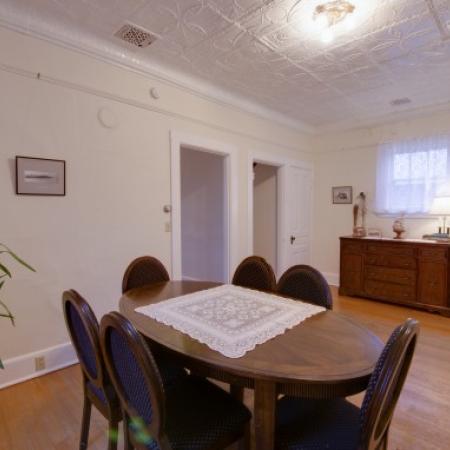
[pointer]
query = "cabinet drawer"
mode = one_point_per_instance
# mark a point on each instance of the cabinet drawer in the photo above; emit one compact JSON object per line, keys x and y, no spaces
{"x":402,"y":262}
{"x":433,"y":253}
{"x":398,"y":276}
{"x":387,"y":291}
{"x":352,"y":248}
{"x":390,"y":250}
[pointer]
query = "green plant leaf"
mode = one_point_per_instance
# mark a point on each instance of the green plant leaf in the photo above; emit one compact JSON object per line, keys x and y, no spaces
{"x":1,"y":364}
{"x":5,"y":270}
{"x":8,"y":313}
{"x":19,"y":260}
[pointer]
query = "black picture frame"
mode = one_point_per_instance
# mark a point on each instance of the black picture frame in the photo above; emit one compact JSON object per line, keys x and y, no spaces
{"x":342,"y":195}
{"x":40,"y":176}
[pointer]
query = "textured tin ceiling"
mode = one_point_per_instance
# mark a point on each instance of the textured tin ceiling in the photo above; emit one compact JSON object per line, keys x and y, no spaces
{"x":269,"y":51}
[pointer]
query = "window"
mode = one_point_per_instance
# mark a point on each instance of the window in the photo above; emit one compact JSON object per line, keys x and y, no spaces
{"x":411,"y":173}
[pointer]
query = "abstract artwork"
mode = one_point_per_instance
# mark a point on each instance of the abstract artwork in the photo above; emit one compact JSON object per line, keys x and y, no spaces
{"x":40,"y":176}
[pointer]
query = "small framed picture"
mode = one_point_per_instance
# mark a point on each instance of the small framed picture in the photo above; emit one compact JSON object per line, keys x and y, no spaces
{"x":40,"y":176}
{"x":342,"y":195}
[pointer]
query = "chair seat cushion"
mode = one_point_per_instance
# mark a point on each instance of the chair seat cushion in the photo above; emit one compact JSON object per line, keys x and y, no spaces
{"x":200,"y":415}
{"x":317,"y":424}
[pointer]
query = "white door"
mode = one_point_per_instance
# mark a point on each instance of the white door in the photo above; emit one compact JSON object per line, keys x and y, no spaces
{"x":297,"y":212}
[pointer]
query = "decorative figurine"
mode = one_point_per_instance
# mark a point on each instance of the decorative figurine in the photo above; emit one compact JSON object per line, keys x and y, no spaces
{"x":359,"y":209}
{"x":399,"y":228}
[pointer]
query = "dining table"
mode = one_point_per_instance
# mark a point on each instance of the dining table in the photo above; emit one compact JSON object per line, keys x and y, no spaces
{"x":326,"y":356}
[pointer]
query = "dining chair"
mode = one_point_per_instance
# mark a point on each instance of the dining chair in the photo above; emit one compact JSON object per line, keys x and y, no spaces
{"x":140,"y":272}
{"x":303,"y":282}
{"x":97,"y":387}
{"x":195,"y":414}
{"x":255,"y":272}
{"x":338,"y":424}
{"x":144,"y":270}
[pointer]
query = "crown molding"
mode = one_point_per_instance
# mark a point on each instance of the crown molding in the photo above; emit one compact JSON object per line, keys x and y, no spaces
{"x":157,"y":72}
{"x":389,"y":119}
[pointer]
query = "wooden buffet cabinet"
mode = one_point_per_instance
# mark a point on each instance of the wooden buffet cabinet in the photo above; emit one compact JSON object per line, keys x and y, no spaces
{"x":409,"y":272}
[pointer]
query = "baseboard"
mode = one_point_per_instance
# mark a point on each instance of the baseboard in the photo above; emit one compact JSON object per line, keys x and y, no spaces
{"x":22,"y":368}
{"x":332,"y":278}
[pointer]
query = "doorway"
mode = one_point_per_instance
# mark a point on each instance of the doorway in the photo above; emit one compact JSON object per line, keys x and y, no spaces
{"x":265,"y":212}
{"x":286,"y":208}
{"x":204,"y":215}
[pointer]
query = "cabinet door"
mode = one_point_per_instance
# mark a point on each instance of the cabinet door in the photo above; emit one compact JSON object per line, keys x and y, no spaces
{"x":351,"y":273}
{"x":432,"y":283}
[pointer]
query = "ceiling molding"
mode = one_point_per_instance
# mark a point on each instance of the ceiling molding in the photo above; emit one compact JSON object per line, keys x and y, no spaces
{"x":390,"y":119}
{"x":192,"y":85}
{"x":258,"y":57}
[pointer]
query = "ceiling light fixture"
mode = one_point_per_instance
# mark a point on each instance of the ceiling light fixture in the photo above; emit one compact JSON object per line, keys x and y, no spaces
{"x":329,"y":14}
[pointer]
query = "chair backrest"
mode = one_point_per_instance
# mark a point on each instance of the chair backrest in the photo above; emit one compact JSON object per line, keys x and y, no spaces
{"x":303,"y":282}
{"x":144,"y":270}
{"x":136,"y":379}
{"x":83,"y":330}
{"x":386,"y":383}
{"x":255,"y":272}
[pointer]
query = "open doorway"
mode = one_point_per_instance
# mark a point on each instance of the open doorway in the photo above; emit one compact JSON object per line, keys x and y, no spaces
{"x":265,"y":212}
{"x":204,"y":215}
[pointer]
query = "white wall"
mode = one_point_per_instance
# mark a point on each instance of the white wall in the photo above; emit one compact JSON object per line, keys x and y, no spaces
{"x":349,"y":159}
{"x":203,"y":215}
{"x":117,"y":179}
{"x":265,"y":213}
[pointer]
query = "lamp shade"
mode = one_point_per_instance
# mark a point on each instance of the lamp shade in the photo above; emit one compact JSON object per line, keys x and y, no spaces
{"x":441,"y":206}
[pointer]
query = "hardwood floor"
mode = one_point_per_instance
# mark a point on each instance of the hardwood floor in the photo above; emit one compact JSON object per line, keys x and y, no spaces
{"x":45,"y":413}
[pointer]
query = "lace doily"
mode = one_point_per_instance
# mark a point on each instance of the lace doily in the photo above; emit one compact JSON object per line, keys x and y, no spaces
{"x":230,"y":319}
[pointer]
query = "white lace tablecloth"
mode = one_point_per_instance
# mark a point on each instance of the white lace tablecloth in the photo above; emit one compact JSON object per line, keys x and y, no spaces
{"x":230,"y":319}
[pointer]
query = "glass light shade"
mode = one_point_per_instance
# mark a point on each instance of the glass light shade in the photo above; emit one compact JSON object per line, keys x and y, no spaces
{"x":441,"y":206}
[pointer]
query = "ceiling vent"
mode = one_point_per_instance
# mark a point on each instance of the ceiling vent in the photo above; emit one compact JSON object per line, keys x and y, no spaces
{"x":400,"y":101}
{"x":135,"y":36}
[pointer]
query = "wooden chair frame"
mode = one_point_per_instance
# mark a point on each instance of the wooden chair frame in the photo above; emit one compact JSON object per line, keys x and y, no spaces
{"x":375,"y":429}
{"x":261,"y":262}
{"x":111,"y":408}
{"x":311,"y":271}
{"x":147,"y":260}
{"x":151,"y":375}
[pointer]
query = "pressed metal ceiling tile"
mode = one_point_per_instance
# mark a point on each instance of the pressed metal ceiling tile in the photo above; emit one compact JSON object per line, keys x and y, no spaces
{"x":270,"y":51}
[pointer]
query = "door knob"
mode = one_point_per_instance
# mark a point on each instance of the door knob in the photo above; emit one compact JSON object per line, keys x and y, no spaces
{"x":292,"y":239}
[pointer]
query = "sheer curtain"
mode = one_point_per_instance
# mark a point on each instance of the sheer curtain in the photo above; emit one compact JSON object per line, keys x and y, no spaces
{"x":410,"y":173}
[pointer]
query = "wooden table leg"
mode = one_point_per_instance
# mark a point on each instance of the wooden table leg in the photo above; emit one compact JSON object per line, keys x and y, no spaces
{"x":264,"y":414}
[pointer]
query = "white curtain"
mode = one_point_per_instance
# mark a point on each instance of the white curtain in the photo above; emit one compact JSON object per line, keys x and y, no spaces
{"x":410,"y":174}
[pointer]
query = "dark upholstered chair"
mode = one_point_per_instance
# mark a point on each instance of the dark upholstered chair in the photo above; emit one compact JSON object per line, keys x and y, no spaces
{"x":195,"y":414}
{"x":303,"y":282}
{"x":97,"y":387}
{"x":339,"y":425}
{"x":255,"y":272}
{"x":142,"y":271}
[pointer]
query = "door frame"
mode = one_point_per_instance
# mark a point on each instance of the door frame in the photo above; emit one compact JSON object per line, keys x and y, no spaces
{"x":229,"y":152}
{"x":281,"y":163}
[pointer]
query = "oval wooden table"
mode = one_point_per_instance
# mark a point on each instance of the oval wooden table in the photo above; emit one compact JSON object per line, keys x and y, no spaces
{"x":326,"y":356}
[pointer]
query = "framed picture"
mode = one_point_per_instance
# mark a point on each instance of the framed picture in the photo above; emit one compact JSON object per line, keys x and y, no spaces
{"x":40,"y":176}
{"x":342,"y":195}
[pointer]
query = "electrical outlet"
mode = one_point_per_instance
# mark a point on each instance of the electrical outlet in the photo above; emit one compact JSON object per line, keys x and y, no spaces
{"x":39,"y":363}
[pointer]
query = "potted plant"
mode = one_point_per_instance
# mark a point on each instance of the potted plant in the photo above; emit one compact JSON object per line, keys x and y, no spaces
{"x":6,"y":273}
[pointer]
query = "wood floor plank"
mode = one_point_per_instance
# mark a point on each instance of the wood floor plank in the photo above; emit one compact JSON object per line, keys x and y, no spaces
{"x":45,"y":413}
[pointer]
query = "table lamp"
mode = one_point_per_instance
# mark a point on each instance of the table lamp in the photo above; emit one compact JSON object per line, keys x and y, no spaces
{"x":441,"y":207}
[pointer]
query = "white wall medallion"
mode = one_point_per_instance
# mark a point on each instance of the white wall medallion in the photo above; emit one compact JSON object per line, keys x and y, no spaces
{"x":154,"y":93}
{"x":108,"y":118}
